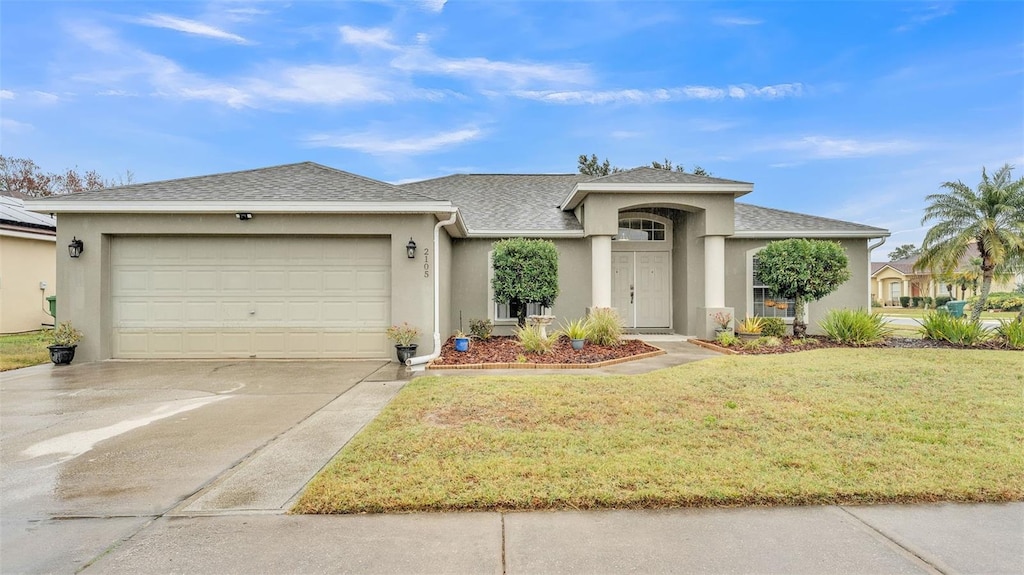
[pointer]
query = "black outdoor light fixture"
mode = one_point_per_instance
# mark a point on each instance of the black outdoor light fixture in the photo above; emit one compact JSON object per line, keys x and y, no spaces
{"x":75,"y":247}
{"x":243,"y":216}
{"x":410,"y":249}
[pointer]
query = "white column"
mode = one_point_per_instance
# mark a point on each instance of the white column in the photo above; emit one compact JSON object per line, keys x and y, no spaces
{"x":601,"y":271}
{"x":906,"y":288}
{"x":714,"y":271}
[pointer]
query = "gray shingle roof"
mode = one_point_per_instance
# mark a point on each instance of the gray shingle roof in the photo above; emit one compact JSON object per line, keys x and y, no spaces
{"x":506,"y":202}
{"x":649,"y":175}
{"x":306,"y":181}
{"x":752,"y":219}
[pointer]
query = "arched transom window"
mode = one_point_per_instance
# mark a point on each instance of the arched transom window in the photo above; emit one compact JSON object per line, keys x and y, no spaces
{"x":640,"y":230}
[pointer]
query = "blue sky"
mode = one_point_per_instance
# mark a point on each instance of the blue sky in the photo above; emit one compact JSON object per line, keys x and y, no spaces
{"x":849,"y":110}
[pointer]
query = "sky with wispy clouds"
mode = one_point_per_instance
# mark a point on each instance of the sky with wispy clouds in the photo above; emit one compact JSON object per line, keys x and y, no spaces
{"x":855,"y":111}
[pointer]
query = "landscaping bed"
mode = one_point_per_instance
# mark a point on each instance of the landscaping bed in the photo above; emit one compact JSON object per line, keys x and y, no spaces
{"x":508,"y":350}
{"x":790,"y":344}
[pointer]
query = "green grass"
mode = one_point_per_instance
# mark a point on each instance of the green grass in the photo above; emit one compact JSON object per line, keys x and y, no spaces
{"x":822,"y":426}
{"x":24,"y":349}
{"x":919,"y":313}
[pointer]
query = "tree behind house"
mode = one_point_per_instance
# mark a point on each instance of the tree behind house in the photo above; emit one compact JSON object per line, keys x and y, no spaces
{"x":591,"y":166}
{"x":804,"y":270}
{"x":525,"y":272}
{"x":21,"y":177}
{"x":903,"y":252}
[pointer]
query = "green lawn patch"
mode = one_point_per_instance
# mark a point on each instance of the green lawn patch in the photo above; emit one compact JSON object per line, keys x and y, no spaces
{"x":24,"y":349}
{"x":824,"y":426}
{"x":916,"y":312}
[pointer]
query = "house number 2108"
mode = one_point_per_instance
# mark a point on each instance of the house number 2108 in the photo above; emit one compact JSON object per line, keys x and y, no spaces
{"x":426,"y":262}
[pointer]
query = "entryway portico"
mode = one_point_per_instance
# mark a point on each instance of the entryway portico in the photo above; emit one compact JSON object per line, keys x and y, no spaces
{"x":657,"y":243}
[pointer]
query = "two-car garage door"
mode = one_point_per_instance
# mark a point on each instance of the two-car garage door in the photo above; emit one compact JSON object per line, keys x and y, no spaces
{"x":253,"y":296}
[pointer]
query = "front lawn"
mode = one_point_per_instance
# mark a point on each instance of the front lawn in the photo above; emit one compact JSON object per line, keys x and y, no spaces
{"x":823,"y":426}
{"x":24,"y":349}
{"x":919,"y":313}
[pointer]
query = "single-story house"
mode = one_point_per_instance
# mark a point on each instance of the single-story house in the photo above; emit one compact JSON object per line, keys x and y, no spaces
{"x":303,"y":260}
{"x":28,"y":266}
{"x":898,"y":278}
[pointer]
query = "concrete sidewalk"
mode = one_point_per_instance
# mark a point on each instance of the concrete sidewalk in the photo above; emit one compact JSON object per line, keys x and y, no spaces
{"x":889,"y":539}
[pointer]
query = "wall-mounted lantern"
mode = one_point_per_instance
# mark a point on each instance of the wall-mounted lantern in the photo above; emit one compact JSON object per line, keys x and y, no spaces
{"x":76,"y":247}
{"x":410,"y":249}
{"x":244,"y":216}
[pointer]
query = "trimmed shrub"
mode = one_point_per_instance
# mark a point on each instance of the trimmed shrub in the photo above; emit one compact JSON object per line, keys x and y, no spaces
{"x":1012,"y":333}
{"x":481,"y":328}
{"x":957,"y":330}
{"x":915,"y":301}
{"x":604,"y":326}
{"x":904,"y":301}
{"x":942,"y":300}
{"x":855,"y":327}
{"x":1005,"y":301}
{"x":927,"y":301}
{"x":533,"y":342}
{"x":773,"y":327}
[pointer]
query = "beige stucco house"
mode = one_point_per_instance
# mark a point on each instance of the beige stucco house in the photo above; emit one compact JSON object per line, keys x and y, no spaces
{"x":895,"y":279}
{"x":28,"y":266}
{"x":303,"y":260}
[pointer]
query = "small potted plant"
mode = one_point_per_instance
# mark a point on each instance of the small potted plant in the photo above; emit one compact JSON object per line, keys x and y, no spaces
{"x":750,"y":328}
{"x":65,"y":340}
{"x":403,"y":336}
{"x":461,"y":341}
{"x":576,"y":331}
{"x":722,"y":319}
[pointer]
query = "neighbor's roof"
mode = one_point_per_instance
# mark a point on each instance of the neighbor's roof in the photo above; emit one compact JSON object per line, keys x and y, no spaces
{"x":754,"y":221}
{"x":13,"y":215}
{"x":506,"y":203}
{"x":906,"y":265}
{"x":302,"y":182}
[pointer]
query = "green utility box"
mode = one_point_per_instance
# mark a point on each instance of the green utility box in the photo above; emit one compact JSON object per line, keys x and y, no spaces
{"x":52,"y":300}
{"x":956,"y":307}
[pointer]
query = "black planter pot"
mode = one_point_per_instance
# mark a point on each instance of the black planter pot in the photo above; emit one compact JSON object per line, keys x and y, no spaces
{"x":62,"y":354}
{"x":405,"y":352}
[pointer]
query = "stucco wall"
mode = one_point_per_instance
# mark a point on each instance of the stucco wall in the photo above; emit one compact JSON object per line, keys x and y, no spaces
{"x":470,"y":282}
{"x":853,"y":294}
{"x":84,"y":293}
{"x":23,"y":264}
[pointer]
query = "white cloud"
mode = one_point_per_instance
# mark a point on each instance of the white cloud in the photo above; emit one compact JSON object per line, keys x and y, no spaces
{"x":46,"y":97}
{"x":630,"y":96}
{"x":377,"y":143}
{"x":6,"y":95}
{"x":421,"y":59}
{"x":190,"y":27}
{"x":375,"y":37}
{"x":432,"y":5}
{"x":14,"y":126}
{"x":826,"y":147}
{"x":117,"y":93}
{"x":625,"y":134}
{"x":925,"y":14}
{"x":736,"y":21}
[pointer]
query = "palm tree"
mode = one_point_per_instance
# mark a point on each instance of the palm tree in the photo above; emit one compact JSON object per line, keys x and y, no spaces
{"x":992,"y":217}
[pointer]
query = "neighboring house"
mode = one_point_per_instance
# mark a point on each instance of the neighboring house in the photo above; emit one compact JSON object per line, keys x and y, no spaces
{"x":28,"y":266}
{"x":895,"y":279}
{"x":303,"y":260}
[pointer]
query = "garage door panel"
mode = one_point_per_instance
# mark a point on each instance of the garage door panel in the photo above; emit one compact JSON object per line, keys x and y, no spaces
{"x":205,"y":297}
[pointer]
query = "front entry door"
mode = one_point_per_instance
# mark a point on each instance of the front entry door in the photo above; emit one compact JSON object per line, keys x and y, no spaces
{"x":642,"y":288}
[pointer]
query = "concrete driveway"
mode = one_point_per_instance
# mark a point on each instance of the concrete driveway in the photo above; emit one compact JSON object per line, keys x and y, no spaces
{"x":91,"y":453}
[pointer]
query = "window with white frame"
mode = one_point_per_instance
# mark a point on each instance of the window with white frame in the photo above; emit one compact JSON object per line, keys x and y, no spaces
{"x":640,"y":230}
{"x":766,"y":303}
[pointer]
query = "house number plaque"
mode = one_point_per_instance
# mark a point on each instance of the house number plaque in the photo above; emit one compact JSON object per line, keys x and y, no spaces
{"x":426,"y":262}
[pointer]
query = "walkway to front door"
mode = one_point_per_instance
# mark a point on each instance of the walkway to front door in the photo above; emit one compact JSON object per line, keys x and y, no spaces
{"x":642,"y":288}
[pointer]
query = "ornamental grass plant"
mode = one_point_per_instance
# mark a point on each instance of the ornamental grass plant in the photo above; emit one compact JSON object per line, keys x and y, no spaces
{"x":957,"y":330}
{"x":604,"y":326}
{"x":855,"y":327}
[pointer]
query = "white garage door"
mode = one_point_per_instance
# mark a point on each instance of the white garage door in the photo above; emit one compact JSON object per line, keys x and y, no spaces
{"x":265,"y":297}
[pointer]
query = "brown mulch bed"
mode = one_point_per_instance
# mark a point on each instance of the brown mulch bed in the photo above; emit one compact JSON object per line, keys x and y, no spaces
{"x":504,"y":349}
{"x":825,"y":343}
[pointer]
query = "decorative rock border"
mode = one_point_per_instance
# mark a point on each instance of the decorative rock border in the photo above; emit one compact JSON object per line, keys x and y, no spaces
{"x":605,"y":363}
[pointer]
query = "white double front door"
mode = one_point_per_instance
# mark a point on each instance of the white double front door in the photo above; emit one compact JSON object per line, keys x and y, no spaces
{"x":642,"y":288}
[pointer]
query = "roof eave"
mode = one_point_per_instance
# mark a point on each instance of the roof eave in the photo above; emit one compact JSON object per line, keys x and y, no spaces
{"x":230,"y":207}
{"x":839,"y":234}
{"x":582,"y":189}
{"x":566,"y":234}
